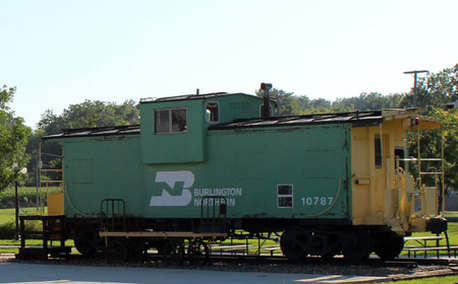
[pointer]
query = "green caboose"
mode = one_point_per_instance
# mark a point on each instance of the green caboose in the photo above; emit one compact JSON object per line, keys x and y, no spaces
{"x":333,"y":179}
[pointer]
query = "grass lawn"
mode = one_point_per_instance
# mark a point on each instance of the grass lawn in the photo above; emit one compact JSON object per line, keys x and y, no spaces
{"x":7,"y":215}
{"x":431,"y":280}
{"x":451,"y":214}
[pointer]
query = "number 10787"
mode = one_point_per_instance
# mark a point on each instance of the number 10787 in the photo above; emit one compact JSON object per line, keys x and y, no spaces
{"x":317,"y":201}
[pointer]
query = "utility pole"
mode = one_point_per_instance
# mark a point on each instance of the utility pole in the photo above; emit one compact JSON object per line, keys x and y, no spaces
{"x":415,"y":72}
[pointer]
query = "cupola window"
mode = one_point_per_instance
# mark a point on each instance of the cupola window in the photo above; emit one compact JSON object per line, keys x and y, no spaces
{"x":171,"y":121}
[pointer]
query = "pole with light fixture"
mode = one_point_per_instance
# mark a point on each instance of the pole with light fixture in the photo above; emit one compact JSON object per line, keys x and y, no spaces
{"x":415,"y":72}
{"x":16,"y":199}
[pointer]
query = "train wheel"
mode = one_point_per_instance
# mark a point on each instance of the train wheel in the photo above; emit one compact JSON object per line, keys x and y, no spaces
{"x":136,"y":250}
{"x":292,"y":244}
{"x":389,"y":247}
{"x":87,"y":240}
{"x":116,"y":251}
{"x":198,"y":252}
{"x":174,"y":252}
{"x":356,"y":246}
{"x":330,"y":254}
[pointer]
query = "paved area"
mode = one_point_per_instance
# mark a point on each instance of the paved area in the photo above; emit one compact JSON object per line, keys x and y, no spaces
{"x":42,"y":273}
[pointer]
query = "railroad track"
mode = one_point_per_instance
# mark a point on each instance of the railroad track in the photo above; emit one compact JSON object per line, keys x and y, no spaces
{"x":264,"y":259}
{"x":396,"y":269}
{"x":240,"y":257}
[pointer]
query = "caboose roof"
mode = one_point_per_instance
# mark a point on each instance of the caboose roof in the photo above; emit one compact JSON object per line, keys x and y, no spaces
{"x":357,"y":119}
{"x":194,"y":97}
{"x":364,"y":118}
{"x":95,"y":131}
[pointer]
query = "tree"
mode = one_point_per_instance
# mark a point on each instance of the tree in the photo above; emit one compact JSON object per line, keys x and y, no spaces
{"x":13,"y":140}
{"x":435,"y":91}
{"x":369,"y":101}
{"x":449,"y":120}
{"x":90,"y":114}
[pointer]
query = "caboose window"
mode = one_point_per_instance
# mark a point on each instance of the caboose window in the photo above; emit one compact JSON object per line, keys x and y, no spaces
{"x":171,"y":121}
{"x":285,"y":195}
{"x":212,"y":112}
{"x":378,"y":151}
{"x":399,"y":157}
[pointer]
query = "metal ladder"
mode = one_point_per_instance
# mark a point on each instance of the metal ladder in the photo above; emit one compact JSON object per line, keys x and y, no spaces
{"x":113,"y":215}
{"x":47,"y":177}
{"x":438,"y":173}
{"x":213,"y":211}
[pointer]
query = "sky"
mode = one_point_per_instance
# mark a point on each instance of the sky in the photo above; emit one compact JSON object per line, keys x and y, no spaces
{"x":59,"y":53}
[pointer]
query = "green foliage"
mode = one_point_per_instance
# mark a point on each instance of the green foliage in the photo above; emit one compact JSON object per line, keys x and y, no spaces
{"x":26,"y":196}
{"x":428,"y":280}
{"x":371,"y":101}
{"x":435,"y":91}
{"x":8,"y":230}
{"x":449,"y":120}
{"x":90,"y":114}
{"x":13,"y":140}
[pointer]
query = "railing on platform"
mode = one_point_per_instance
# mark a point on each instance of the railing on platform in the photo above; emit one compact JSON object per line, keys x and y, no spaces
{"x":52,"y":229}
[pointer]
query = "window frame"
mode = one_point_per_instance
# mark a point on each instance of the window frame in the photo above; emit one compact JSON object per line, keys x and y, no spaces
{"x":285,"y":196}
{"x":402,"y":163}
{"x":218,"y":113}
{"x":378,"y":151}
{"x":170,"y":120}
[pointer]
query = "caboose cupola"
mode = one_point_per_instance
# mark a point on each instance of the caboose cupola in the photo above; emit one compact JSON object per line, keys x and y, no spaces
{"x":178,"y":125}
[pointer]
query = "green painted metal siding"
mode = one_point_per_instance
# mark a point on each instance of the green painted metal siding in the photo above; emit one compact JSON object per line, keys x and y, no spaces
{"x":100,"y":168}
{"x":175,"y":147}
{"x":244,"y":166}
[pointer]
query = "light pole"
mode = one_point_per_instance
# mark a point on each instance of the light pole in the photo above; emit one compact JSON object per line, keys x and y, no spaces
{"x":415,"y":72}
{"x":16,"y":201}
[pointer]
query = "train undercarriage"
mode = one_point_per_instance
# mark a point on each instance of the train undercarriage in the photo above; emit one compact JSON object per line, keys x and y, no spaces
{"x":179,"y":238}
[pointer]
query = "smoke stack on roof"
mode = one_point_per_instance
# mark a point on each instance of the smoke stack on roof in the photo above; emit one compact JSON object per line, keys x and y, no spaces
{"x":265,"y":87}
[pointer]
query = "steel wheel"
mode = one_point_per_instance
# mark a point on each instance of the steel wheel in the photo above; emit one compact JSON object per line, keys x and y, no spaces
{"x":356,"y":246}
{"x":389,"y":246}
{"x":293,"y":243}
{"x":198,"y":251}
{"x":116,"y":251}
{"x":136,"y":250}
{"x":174,"y":252}
{"x":87,"y":240}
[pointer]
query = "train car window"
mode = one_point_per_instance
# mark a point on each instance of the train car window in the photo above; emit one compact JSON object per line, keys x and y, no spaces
{"x":170,"y":121}
{"x":178,"y":120}
{"x":378,"y":151}
{"x":212,"y":112}
{"x":162,"y":121}
{"x":285,"y":195}
{"x":399,"y":154}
